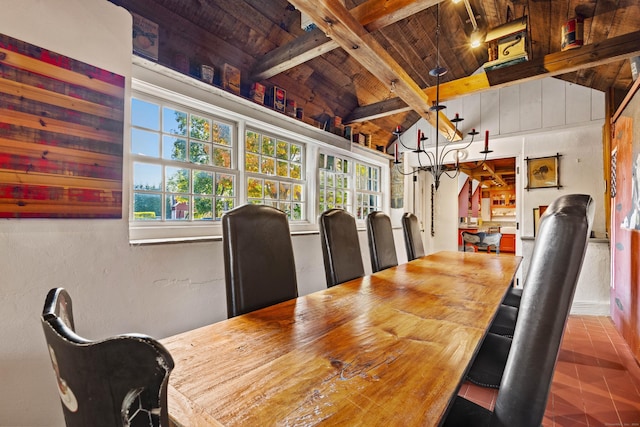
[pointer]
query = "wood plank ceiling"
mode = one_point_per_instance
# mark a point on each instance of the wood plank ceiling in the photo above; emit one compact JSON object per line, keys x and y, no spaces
{"x":345,"y":67}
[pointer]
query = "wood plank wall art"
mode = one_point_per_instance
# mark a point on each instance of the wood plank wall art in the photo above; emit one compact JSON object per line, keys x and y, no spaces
{"x":61,"y":135}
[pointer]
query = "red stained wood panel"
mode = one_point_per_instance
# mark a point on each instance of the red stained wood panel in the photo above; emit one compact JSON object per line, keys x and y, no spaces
{"x":625,"y":242}
{"x":61,"y":135}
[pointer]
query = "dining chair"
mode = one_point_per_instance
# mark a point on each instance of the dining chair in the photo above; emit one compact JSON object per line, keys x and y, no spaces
{"x":481,"y":241}
{"x":340,"y":246}
{"x":118,"y":381}
{"x":530,"y":359}
{"x":505,"y":321}
{"x":259,"y":265}
{"x":412,"y":236}
{"x":513,"y":297}
{"x":381,"y":245}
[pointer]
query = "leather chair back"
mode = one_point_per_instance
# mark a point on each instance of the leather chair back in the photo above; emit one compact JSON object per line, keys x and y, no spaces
{"x":381,"y":245}
{"x":340,"y":247}
{"x":118,"y":381}
{"x":546,"y":301}
{"x":259,"y":264}
{"x":412,"y":237}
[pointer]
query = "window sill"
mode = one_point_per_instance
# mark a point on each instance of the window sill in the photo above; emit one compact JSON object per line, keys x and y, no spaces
{"x":156,"y":234}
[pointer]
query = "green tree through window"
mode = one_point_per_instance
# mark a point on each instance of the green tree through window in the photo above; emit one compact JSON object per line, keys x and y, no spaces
{"x":196,"y":150}
{"x":275,"y":173}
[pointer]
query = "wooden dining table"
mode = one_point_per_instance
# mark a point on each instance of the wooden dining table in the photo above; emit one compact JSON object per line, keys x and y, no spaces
{"x":387,"y":349}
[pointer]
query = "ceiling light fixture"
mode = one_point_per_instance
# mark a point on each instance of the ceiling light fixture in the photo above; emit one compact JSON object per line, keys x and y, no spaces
{"x":477,"y":37}
{"x":435,"y":163}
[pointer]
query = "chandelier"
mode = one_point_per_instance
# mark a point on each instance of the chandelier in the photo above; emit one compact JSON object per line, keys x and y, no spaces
{"x":435,"y":160}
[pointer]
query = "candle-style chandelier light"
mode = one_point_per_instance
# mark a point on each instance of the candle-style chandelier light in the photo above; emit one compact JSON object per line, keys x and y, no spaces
{"x":435,"y":160}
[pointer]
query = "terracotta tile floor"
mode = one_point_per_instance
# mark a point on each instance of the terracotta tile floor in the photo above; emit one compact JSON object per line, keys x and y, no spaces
{"x":596,"y":381}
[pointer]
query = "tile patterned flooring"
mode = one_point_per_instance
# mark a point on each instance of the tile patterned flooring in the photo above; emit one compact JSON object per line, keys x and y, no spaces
{"x":596,"y":381}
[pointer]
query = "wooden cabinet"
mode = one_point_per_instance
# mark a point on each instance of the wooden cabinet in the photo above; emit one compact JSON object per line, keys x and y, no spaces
{"x":503,"y":203}
{"x":508,"y":243}
{"x":503,"y":198}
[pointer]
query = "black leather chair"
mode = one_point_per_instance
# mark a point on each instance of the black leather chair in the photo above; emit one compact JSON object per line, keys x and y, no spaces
{"x":505,"y":321}
{"x":340,"y":247}
{"x":259,"y":265}
{"x":412,"y":237}
{"x":513,"y":297}
{"x":381,"y":245}
{"x":530,"y":358}
{"x":119,"y":381}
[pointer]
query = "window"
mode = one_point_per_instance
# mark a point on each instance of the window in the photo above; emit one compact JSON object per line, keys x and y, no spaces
{"x":274,"y":173}
{"x":197,"y":152}
{"x":182,"y":164}
{"x":340,"y":178}
{"x":335,"y":180}
{"x":368,"y":193}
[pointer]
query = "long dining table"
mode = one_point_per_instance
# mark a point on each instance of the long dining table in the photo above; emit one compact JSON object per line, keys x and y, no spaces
{"x":391,"y":348}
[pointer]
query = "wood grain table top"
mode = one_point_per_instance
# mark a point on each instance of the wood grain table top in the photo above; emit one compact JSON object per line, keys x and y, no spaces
{"x":387,"y":349}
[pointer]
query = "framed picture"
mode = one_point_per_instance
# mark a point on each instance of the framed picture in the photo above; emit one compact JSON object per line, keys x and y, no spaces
{"x":66,"y":163}
{"x":537,"y":213}
{"x":536,"y":221}
{"x":145,"y":37}
{"x":543,"y":172}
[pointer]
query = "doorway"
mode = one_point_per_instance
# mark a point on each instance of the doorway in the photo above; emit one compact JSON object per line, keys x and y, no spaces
{"x":487,"y":200}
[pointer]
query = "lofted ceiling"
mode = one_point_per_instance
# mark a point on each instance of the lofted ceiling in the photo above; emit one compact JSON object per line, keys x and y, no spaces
{"x":368,"y":61}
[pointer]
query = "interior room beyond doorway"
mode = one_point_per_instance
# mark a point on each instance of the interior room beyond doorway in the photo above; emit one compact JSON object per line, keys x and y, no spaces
{"x":487,"y":200}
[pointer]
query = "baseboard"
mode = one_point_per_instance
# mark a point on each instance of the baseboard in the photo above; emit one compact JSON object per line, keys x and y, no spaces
{"x":591,"y":308}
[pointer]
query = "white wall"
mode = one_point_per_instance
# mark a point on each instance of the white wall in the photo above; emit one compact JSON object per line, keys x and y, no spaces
{"x":534,"y":119}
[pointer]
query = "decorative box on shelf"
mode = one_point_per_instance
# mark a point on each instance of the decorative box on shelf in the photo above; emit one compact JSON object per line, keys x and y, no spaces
{"x":360,"y":138}
{"x":257,"y":93}
{"x":231,"y":78}
{"x":335,"y":126}
{"x":291,"y":107}
{"x":507,"y":44}
{"x":278,"y":99}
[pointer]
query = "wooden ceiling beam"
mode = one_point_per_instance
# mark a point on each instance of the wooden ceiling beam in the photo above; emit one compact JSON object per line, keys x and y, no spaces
{"x":304,"y":48}
{"x":336,"y":21}
{"x":488,"y":166}
{"x":486,"y":170}
{"x":553,"y":64}
{"x":373,"y":15}
{"x":448,"y":90}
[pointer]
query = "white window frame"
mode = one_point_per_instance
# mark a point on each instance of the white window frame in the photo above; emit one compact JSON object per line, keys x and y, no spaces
{"x":167,"y":230}
{"x":352,"y":190}
{"x":277,"y":178}
{"x":367,"y":192}
{"x":156,"y":81}
{"x":165,"y":163}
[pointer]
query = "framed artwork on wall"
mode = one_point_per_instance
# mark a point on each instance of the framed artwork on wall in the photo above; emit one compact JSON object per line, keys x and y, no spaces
{"x":543,"y":172}
{"x":536,"y":221}
{"x":61,"y":135}
{"x":145,"y":37}
{"x":537,"y":213}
